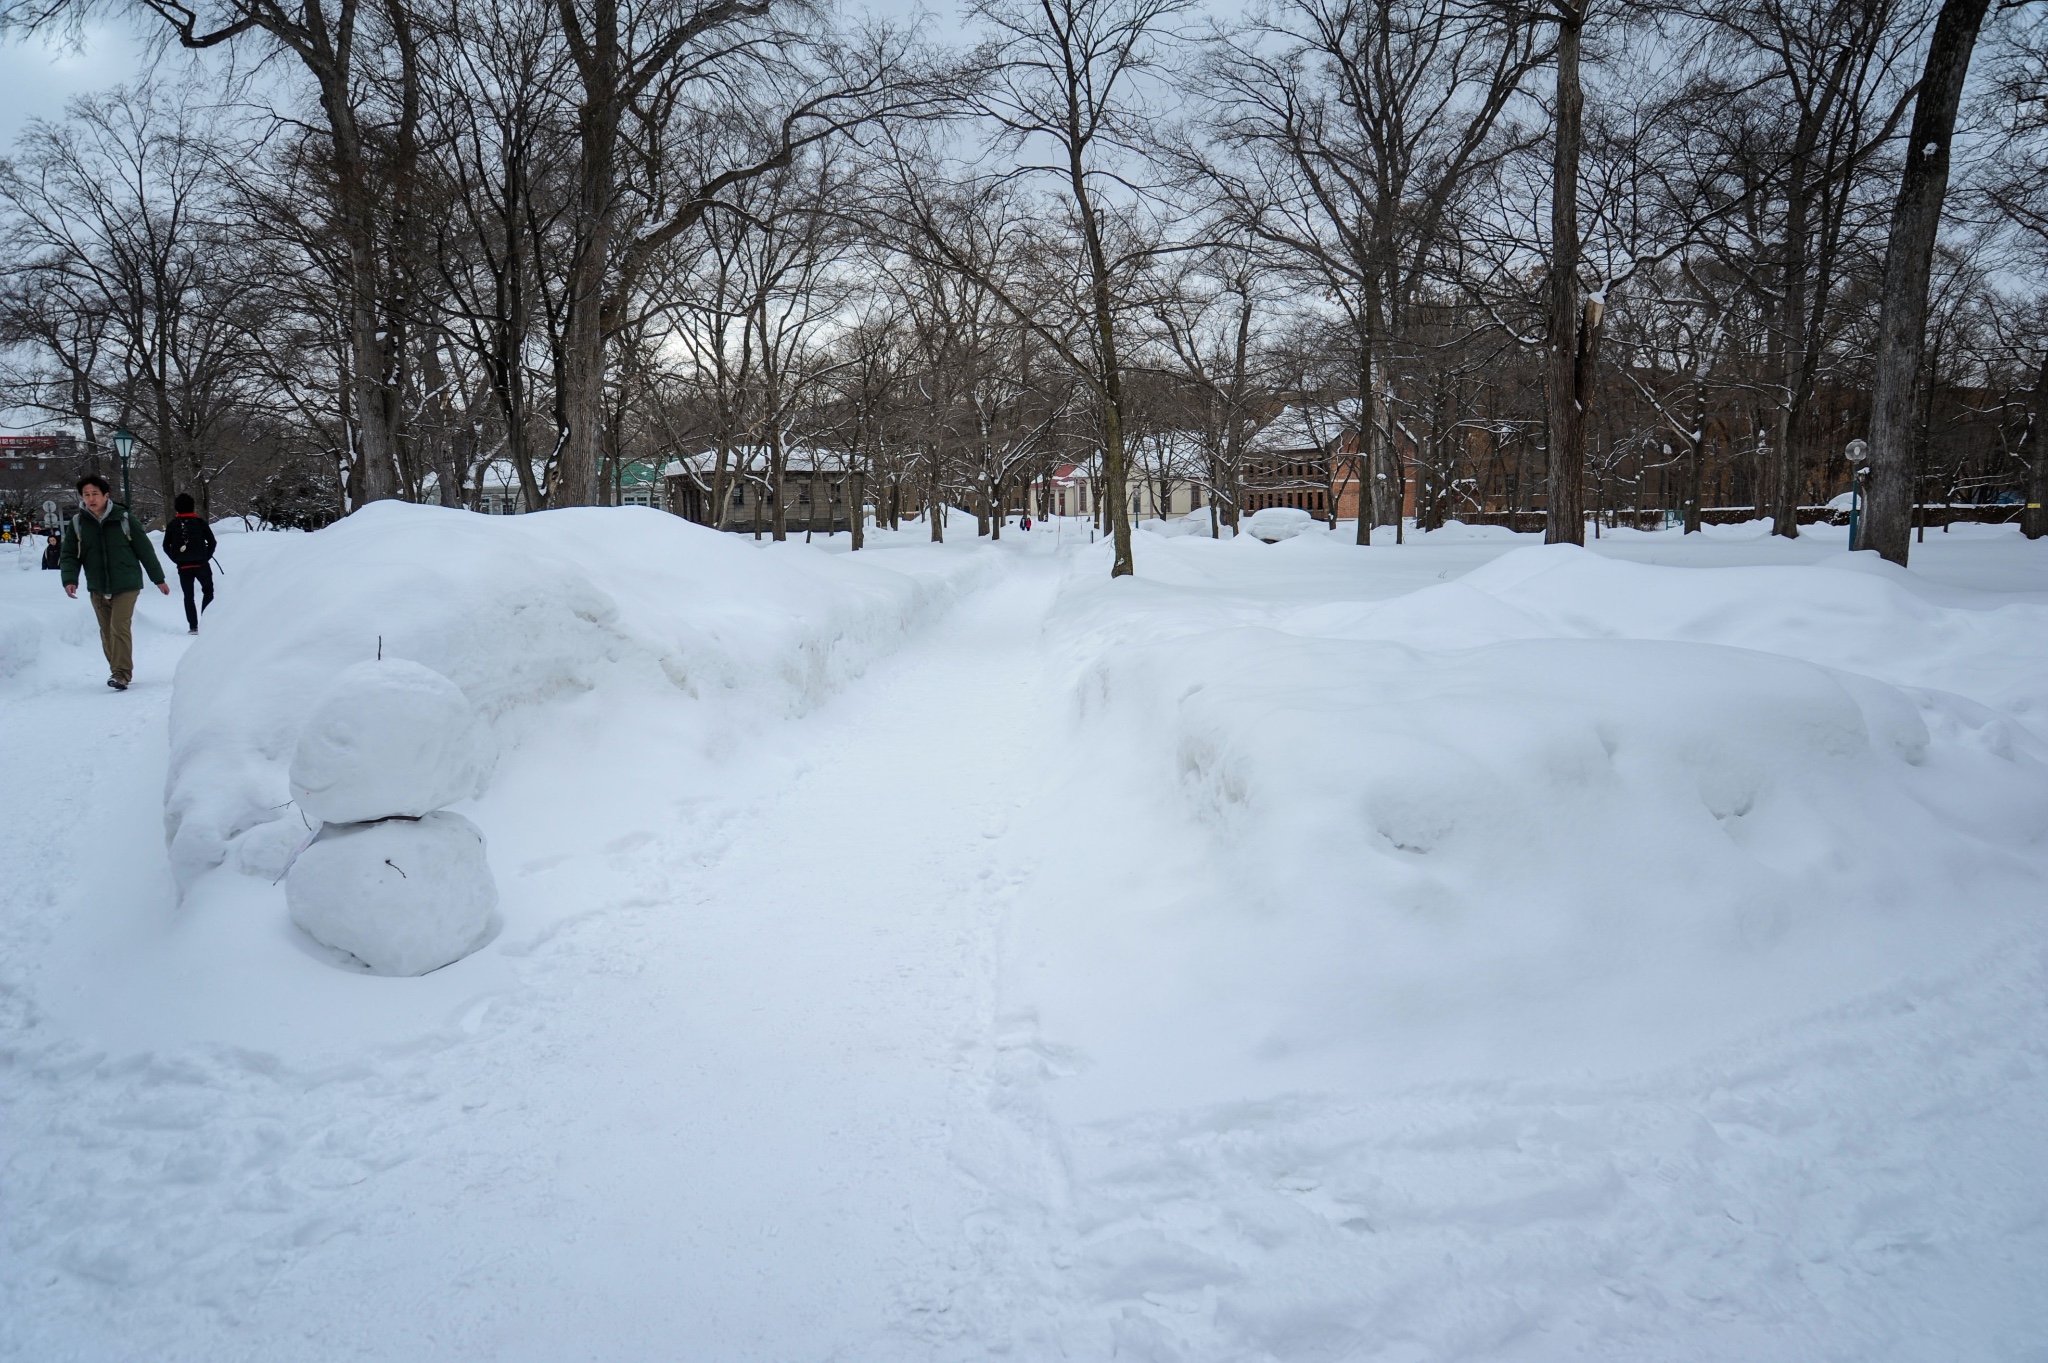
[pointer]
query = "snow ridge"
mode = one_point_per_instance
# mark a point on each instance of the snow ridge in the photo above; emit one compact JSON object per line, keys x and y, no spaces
{"x":518,"y":612}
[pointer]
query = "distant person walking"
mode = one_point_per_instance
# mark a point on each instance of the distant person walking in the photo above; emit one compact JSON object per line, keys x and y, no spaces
{"x":114,"y":550}
{"x":189,"y":543}
{"x":53,"y":552}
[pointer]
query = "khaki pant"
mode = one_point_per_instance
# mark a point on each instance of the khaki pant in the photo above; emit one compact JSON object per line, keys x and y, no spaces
{"x":117,"y":635}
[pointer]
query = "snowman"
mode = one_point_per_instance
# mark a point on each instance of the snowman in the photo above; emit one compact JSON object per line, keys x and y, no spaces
{"x":392,"y":878}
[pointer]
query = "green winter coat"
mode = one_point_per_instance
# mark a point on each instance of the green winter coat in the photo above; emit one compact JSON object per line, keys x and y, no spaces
{"x":114,"y":552}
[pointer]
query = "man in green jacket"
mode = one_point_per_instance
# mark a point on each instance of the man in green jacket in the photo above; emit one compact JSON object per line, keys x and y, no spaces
{"x":114,"y":550}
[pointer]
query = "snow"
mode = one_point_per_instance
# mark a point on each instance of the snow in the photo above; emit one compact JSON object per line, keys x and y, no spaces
{"x":1276,"y":523}
{"x":519,"y":613}
{"x":1563,"y":811}
{"x":1465,"y":948}
{"x":403,"y":897}
{"x":21,"y":638}
{"x":389,"y":738}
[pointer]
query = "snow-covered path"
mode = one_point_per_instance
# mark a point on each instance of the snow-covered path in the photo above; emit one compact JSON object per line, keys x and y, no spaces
{"x":747,"y":1111}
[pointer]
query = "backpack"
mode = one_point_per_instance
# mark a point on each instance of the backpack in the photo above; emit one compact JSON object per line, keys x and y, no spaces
{"x":189,"y":541}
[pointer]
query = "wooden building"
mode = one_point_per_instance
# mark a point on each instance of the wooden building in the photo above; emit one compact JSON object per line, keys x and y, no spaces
{"x":818,"y":490}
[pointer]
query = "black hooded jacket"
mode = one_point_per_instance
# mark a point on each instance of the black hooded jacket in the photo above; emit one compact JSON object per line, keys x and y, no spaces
{"x":189,"y":541}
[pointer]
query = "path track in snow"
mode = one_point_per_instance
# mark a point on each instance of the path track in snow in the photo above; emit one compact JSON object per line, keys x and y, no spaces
{"x":757,"y":1069}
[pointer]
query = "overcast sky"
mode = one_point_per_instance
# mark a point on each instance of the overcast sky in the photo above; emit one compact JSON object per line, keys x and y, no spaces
{"x":36,"y":78}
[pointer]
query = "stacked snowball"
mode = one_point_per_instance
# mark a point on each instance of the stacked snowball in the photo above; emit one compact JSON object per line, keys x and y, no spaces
{"x":393,"y":878}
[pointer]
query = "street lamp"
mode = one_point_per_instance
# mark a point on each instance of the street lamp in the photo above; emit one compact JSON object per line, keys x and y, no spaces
{"x":1856,"y":451}
{"x":124,"y":445}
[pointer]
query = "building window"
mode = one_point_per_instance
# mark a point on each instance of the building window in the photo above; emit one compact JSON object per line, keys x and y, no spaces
{"x":739,"y":495}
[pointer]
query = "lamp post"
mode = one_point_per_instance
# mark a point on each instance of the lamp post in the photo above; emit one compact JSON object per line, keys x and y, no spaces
{"x":124,"y":445}
{"x":1857,"y":452}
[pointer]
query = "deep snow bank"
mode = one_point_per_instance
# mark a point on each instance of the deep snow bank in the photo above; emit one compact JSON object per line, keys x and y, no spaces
{"x":1565,"y":810}
{"x":1854,"y":613}
{"x":516,"y":611}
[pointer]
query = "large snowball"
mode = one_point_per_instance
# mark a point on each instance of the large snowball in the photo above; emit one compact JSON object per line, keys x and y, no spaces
{"x":389,"y":737}
{"x":402,"y":897}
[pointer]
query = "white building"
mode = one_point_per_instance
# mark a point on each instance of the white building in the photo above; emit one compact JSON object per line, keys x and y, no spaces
{"x":1162,"y":482}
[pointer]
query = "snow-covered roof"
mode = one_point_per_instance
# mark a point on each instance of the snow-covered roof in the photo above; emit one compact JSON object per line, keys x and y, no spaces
{"x":754,"y":459}
{"x":1305,"y":426}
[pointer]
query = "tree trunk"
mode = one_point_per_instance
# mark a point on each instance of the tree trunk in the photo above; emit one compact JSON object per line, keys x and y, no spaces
{"x":375,"y":413}
{"x":1115,"y":469}
{"x":1778,"y":483}
{"x":1571,"y":344}
{"x":2034,"y":519}
{"x":1909,"y":260}
{"x":1695,"y":459}
{"x":719,"y":515}
{"x":1396,"y":491}
{"x":1368,"y":437}
{"x":372,"y":405}
{"x":582,"y":365}
{"x":376,"y":408}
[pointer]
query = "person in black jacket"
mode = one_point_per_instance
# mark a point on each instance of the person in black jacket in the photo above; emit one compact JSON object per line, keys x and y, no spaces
{"x":53,"y":552}
{"x":189,"y":543}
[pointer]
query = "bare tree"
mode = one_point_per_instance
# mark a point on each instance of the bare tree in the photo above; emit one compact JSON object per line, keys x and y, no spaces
{"x":1359,"y":125}
{"x":116,"y":213}
{"x":498,"y":159}
{"x":1206,"y":317}
{"x":749,"y":80}
{"x":1909,"y":258}
{"x":1069,"y":76}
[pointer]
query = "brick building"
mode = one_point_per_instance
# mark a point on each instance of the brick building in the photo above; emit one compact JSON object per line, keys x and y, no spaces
{"x":1305,"y":457}
{"x":37,"y":473}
